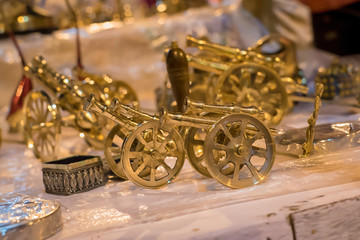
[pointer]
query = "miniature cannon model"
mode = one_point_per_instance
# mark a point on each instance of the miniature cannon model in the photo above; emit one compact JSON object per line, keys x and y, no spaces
{"x":151,"y":154}
{"x":42,"y":119}
{"x":238,"y":149}
{"x":249,"y":78}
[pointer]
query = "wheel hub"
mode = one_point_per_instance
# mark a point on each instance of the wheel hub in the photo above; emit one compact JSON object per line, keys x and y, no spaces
{"x":242,"y":151}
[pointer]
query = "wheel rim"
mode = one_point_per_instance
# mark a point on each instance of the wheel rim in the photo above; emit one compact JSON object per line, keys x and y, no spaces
{"x":113,"y":148}
{"x":154,"y":148}
{"x":252,"y":84}
{"x":194,"y":144}
{"x":248,"y":148}
{"x":42,"y":125}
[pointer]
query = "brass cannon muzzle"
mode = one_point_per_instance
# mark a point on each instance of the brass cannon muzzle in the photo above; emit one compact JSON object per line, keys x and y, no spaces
{"x":91,"y":104}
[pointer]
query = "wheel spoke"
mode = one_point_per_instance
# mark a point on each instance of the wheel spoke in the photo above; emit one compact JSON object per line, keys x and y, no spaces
{"x":140,"y":168}
{"x":254,"y":171}
{"x":236,"y":171}
{"x":218,"y":146}
{"x":246,"y":78}
{"x":257,"y":136}
{"x":226,"y":130}
{"x":155,"y":135}
{"x":196,"y":142}
{"x":153,"y":175}
{"x":141,"y":139}
{"x":166,"y":140}
{"x":167,"y":168}
{"x":115,"y":150}
{"x":223,"y":163}
{"x":135,"y":155}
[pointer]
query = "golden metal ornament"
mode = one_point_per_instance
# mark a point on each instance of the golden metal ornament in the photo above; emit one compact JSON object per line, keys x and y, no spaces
{"x":249,"y":78}
{"x":42,"y":115}
{"x":308,"y":146}
{"x":152,"y":154}
{"x":148,"y":144}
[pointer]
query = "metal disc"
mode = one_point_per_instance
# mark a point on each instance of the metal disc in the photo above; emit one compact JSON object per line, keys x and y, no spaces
{"x":248,"y":148}
{"x":42,"y":125}
{"x":252,"y":84}
{"x":154,"y":148}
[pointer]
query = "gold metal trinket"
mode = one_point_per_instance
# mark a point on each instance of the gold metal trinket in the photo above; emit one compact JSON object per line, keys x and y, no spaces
{"x":249,"y":78}
{"x":238,"y":149}
{"x":42,"y":115}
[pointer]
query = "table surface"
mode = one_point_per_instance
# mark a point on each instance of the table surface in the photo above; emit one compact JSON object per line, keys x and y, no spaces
{"x":191,"y":207}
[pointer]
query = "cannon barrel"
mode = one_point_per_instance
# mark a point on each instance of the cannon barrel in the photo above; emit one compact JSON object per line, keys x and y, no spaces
{"x":198,"y":107}
{"x":185,"y":121}
{"x":91,"y":104}
{"x":122,"y":109}
{"x":235,"y":54}
{"x":207,"y":64}
{"x":213,"y":47}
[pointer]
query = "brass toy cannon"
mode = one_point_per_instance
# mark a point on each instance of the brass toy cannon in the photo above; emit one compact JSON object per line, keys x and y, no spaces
{"x":139,"y":148}
{"x":249,"y":78}
{"x":229,"y":143}
{"x":42,"y":118}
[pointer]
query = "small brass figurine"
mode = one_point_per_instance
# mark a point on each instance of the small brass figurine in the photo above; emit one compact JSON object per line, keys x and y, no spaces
{"x":308,"y":146}
{"x":42,"y":115}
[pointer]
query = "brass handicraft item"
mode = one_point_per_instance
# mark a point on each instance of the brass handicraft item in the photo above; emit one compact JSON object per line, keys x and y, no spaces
{"x":73,"y":174}
{"x":255,"y":77}
{"x":229,"y":143}
{"x":42,"y":115}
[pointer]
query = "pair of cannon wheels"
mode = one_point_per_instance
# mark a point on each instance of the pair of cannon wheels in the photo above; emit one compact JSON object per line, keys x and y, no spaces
{"x":238,"y":151}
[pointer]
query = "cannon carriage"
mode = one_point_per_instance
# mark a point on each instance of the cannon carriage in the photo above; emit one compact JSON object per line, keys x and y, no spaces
{"x":42,"y":115}
{"x":226,"y":142}
{"x":229,"y":143}
{"x":253,"y":77}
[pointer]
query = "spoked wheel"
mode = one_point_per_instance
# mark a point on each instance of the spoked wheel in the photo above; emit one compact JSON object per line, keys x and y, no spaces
{"x":194,"y":144}
{"x":122,"y":91}
{"x":241,"y":142}
{"x":113,"y":147}
{"x":42,"y":125}
{"x":153,"y":148}
{"x":252,"y":84}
